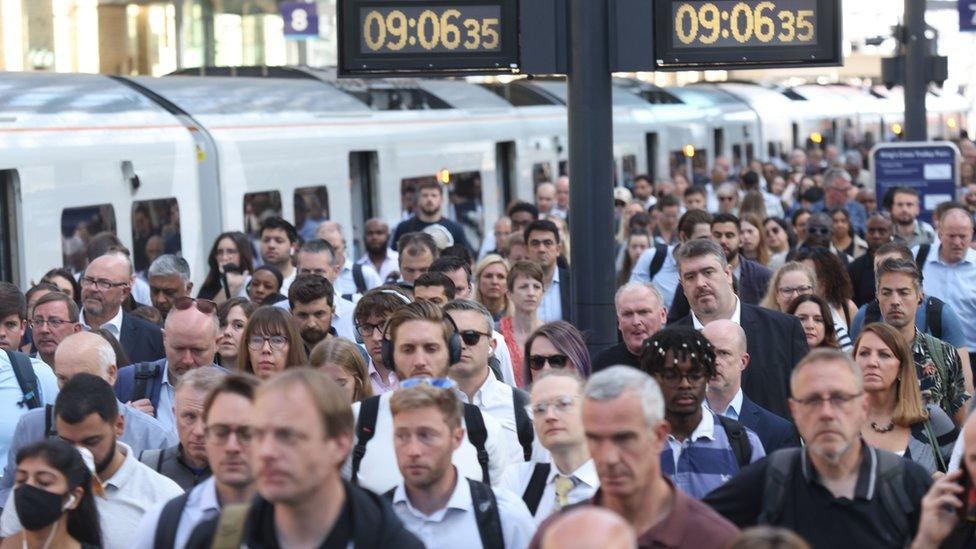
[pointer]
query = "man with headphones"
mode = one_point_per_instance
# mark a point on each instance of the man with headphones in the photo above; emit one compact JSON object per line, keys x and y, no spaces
{"x":372,"y":312}
{"x":420,"y":341}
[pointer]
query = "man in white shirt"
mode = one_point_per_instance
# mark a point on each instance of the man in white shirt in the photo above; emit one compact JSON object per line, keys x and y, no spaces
{"x":420,"y":342}
{"x":557,"y":417}
{"x":345,"y":280}
{"x":542,"y":239}
{"x":226,"y":413}
{"x":319,"y":257}
{"x":435,"y":502}
{"x":378,"y":254}
{"x":87,"y":415}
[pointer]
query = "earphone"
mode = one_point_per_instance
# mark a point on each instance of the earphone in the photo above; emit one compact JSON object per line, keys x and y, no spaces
{"x":453,"y":345}
{"x":69,"y":503}
{"x":398,"y":295}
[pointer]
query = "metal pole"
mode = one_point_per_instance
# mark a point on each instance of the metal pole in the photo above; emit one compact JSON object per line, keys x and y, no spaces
{"x":591,"y":172}
{"x":916,"y":85}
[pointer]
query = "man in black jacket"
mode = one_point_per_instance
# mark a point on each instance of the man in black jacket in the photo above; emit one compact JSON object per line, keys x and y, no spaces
{"x":302,"y":435}
{"x":861,"y":270}
{"x":640,"y":314}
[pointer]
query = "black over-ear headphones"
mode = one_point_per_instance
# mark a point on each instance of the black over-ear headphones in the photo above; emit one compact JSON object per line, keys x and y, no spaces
{"x":453,"y":344}
{"x":398,"y":295}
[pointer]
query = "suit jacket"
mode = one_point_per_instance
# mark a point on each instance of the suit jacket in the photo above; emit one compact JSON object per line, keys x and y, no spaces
{"x":774,"y":432}
{"x":125,"y":383}
{"x":750,"y":286}
{"x":566,"y":294}
{"x":775,"y":343}
{"x":141,"y":340}
{"x":861,"y":271}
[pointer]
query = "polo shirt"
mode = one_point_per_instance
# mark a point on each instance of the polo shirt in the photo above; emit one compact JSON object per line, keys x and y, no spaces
{"x":585,"y":484}
{"x":955,"y":284}
{"x":202,"y":504}
{"x":551,"y":307}
{"x":131,"y":491}
{"x":11,"y":396}
{"x":455,"y":526}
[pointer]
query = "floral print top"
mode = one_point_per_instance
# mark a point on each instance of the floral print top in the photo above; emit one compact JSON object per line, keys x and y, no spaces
{"x":939,"y":373}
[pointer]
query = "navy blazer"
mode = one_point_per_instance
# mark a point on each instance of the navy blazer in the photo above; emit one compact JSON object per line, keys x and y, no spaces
{"x":775,"y":343}
{"x":774,"y":432}
{"x":125,"y":383}
{"x":141,"y":340}
{"x":566,"y":294}
{"x":750,"y":287}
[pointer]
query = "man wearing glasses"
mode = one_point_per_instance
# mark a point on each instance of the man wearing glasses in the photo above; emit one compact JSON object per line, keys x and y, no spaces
{"x":837,"y":491}
{"x":106,"y":283}
{"x":372,"y":312}
{"x":55,"y":318}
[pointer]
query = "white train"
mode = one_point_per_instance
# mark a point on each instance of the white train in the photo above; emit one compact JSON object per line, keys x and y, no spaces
{"x":187,"y":157}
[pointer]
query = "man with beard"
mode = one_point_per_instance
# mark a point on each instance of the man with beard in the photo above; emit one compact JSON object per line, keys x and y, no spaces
{"x":640,"y":314}
{"x":378,"y":254}
{"x":836,"y":491}
{"x":903,"y":203}
{"x":169,"y":280}
{"x":279,"y":241}
{"x":753,"y":278}
{"x":417,"y":252}
{"x":429,"y":202}
{"x":311,"y":298}
{"x":704,"y":449}
{"x":87,"y":415}
{"x":861,"y":270}
{"x":55,"y":318}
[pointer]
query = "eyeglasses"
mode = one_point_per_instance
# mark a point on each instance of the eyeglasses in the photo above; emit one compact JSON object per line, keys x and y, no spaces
{"x":538,"y":362}
{"x":101,"y":283}
{"x":256,"y":343}
{"x":366,"y":330}
{"x":560,"y":405}
{"x":818,"y":230}
{"x":797,"y":290}
{"x":836,"y":400}
{"x":435,"y":382}
{"x":472,"y":337}
{"x":219,"y":434}
{"x":53,"y":323}
{"x":674,"y":377}
{"x":205,"y":306}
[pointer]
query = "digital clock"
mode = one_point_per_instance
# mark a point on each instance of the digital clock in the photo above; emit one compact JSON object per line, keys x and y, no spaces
{"x":746,"y":33}
{"x":429,"y":36}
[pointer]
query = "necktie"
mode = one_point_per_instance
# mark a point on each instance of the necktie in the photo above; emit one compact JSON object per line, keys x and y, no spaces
{"x":563,"y":487}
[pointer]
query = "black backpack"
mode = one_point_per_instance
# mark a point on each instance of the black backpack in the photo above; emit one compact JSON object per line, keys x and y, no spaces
{"x":366,"y":428}
{"x":144,"y":372}
{"x":933,"y":315}
{"x":26,"y":378}
{"x":523,"y":424}
{"x":485,"y":514}
{"x":359,"y":280}
{"x":660,"y":255}
{"x":169,"y":522}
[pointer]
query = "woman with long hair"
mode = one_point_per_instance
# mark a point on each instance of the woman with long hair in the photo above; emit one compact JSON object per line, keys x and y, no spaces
{"x":525,"y":283}
{"x":814,"y":315}
{"x":636,"y":244}
{"x":230,"y":248}
{"x":753,"y":240}
{"x":270,"y":344}
{"x":233,"y":315}
{"x":343,"y":361}
{"x":834,"y":285}
{"x":779,"y":239}
{"x":54,"y":500}
{"x":843,"y":236}
{"x":899,"y":420}
{"x":555,"y":345}
{"x":490,"y":283}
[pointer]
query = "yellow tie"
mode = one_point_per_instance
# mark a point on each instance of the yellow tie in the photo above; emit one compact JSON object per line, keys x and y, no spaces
{"x":563,"y":487}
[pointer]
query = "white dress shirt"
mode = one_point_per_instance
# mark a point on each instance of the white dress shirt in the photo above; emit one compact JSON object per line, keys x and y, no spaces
{"x":551,"y":308}
{"x":736,"y":316}
{"x":454,"y":526}
{"x":342,"y":320}
{"x":585,"y":484}
{"x":346,"y":284}
{"x":495,"y":399}
{"x":202,"y":504}
{"x":286,"y":282}
{"x":141,"y":293}
{"x":132,"y":490}
{"x":390,"y":264}
{"x":113,"y":326}
{"x":733,"y":410}
{"x":167,"y":399}
{"x":11,"y":396}
{"x":378,"y":469}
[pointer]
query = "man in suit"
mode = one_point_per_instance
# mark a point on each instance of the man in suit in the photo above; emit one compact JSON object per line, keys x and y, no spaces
{"x":542,"y":240}
{"x":191,"y":342}
{"x":775,"y":340}
{"x":861,"y":270}
{"x":106,"y":283}
{"x":725,"y":397}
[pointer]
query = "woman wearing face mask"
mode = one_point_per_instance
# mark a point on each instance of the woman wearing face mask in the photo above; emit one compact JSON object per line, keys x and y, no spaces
{"x":53,"y":499}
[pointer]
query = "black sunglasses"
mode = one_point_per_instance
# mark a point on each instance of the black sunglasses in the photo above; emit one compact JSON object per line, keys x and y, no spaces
{"x":472,"y":337}
{"x":538,"y":362}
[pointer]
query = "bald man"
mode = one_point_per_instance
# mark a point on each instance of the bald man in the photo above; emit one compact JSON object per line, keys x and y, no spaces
{"x":351,"y":280}
{"x":561,"y":208}
{"x":378,"y":254}
{"x":724,"y":394}
{"x":84,"y":353}
{"x":545,"y":198}
{"x":589,"y":527}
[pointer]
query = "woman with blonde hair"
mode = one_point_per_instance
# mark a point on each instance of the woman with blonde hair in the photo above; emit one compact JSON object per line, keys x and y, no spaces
{"x":789,"y":281}
{"x":490,"y":284}
{"x":342,"y":360}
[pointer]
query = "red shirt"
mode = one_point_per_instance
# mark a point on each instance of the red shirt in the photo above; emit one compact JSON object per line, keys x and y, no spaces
{"x":518,"y":357}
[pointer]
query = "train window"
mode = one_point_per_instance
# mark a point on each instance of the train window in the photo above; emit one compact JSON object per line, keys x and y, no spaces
{"x":78,"y":225}
{"x":629,"y":165}
{"x":541,"y":173}
{"x":311,"y":208}
{"x":155,"y":231}
{"x":258,"y":207}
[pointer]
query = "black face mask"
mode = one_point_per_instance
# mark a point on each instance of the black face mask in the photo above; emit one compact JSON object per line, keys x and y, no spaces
{"x":36,"y":508}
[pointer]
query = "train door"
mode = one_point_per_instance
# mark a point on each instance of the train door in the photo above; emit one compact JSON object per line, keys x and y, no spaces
{"x":505,"y":166}
{"x":363,"y":175}
{"x":650,"y":141}
{"x":8,"y":226}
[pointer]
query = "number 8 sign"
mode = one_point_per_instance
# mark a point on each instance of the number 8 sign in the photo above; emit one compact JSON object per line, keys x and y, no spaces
{"x":967,"y":15}
{"x":301,"y":20}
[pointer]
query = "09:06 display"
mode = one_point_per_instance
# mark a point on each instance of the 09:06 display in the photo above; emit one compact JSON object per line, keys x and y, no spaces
{"x":394,"y":31}
{"x":744,"y":24}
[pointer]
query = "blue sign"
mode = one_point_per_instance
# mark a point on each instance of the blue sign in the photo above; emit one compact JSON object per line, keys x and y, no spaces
{"x":967,"y":15}
{"x":301,"y":20}
{"x":930,"y":168}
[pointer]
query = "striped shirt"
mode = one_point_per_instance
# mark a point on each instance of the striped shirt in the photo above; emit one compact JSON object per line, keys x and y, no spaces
{"x":704,"y":461}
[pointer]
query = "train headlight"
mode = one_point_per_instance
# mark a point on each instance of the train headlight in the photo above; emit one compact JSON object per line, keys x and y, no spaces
{"x":951,"y":123}
{"x":689,"y":151}
{"x":896,"y":128}
{"x":816,"y":137}
{"x":444,"y":177}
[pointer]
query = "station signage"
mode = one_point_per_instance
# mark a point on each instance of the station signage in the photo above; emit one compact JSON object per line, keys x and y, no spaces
{"x":931,"y":168}
{"x":301,"y":20}
{"x":967,"y":15}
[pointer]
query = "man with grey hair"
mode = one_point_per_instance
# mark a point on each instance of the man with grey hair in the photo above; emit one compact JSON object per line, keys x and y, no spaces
{"x":775,"y":341}
{"x":169,"y":280}
{"x":837,"y":491}
{"x":88,"y":353}
{"x":351,"y":279}
{"x":623,"y":417}
{"x":838,"y":186}
{"x":640,"y":314}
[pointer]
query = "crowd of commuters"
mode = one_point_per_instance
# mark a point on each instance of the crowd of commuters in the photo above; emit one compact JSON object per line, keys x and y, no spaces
{"x":793,"y":370}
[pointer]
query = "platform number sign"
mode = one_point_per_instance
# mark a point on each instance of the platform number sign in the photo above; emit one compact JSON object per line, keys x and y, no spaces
{"x":301,"y":20}
{"x":967,"y":15}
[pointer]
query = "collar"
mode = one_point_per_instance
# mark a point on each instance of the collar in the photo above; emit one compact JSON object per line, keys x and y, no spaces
{"x":460,"y":498}
{"x":347,"y":266}
{"x":735,"y":405}
{"x":867,"y":472}
{"x":209,"y":500}
{"x":390,"y":256}
{"x":165,"y":381}
{"x":488,"y":384}
{"x":736,"y":316}
{"x":969,"y":258}
{"x":586,"y":474}
{"x":116,"y":321}
{"x":555,"y":275}
{"x":705,"y":429}
{"x":669,"y":531}
{"x":373,"y":373}
{"x":126,"y":470}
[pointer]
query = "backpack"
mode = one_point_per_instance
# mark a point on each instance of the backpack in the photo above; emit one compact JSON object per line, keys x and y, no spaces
{"x":26,"y":378}
{"x":922,"y":255}
{"x":144,"y":372}
{"x":169,"y":522}
{"x":152,"y":458}
{"x":738,"y":440}
{"x":50,"y":428}
{"x":933,"y":315}
{"x":359,"y":280}
{"x":660,"y":255}
{"x":523,"y":424}
{"x":782,"y":464}
{"x":230,"y":527}
{"x":366,"y":428}
{"x":485,"y":513}
{"x":537,"y":484}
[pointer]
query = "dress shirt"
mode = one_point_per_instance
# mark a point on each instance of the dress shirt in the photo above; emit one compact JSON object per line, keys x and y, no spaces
{"x":140,"y":292}
{"x":378,"y":470}
{"x":346,"y":284}
{"x":167,"y":399}
{"x":379,"y":384}
{"x":342,"y":318}
{"x":922,"y":233}
{"x":955,"y":284}
{"x":455,"y":525}
{"x":202,"y":504}
{"x":551,"y":308}
{"x":129,"y":493}
{"x":11,"y":396}
{"x":494,"y":398}
{"x":504,"y":358}
{"x":113,"y":326}
{"x":586,"y":482}
{"x":734,"y":408}
{"x":390,"y":264}
{"x":286,"y":283}
{"x":736,"y":316}
{"x":666,"y":280}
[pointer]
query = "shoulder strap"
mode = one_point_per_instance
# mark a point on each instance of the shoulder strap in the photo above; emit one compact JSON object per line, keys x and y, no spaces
{"x":477,"y":436}
{"x":891,"y":490}
{"x":933,"y":315}
{"x":169,"y":521}
{"x":872,"y":313}
{"x":523,"y":424}
{"x":922,"y":255}
{"x":152,"y":458}
{"x":50,"y":427}
{"x":495,"y":366}
{"x":537,"y":484}
{"x":934,"y":445}
{"x":365,"y":428}
{"x":779,"y":469}
{"x":390,"y":494}
{"x":738,"y":440}
{"x":26,"y":378}
{"x":144,"y":372}
{"x":660,"y":255}
{"x":486,"y":515}
{"x":358,"y":278}
{"x":230,"y":527}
